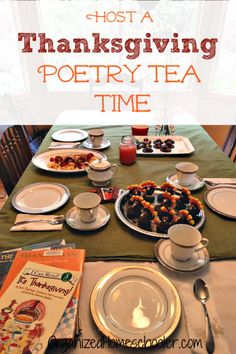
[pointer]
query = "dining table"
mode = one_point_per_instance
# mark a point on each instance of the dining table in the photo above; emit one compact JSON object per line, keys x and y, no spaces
{"x":115,"y":244}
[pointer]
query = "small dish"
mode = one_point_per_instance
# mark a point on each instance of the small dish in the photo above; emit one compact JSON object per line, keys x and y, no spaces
{"x":88,"y":144}
{"x":39,"y":198}
{"x":69,"y":135}
{"x":163,"y":253}
{"x":221,"y":199}
{"x":102,"y":219}
{"x":198,"y":182}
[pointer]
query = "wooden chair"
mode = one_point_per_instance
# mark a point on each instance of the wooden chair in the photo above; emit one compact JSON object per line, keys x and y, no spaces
{"x":36,"y":134}
{"x":15,"y":155}
{"x":229,"y":147}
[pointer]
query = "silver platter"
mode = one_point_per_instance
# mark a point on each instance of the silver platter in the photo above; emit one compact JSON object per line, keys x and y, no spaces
{"x":119,"y":206}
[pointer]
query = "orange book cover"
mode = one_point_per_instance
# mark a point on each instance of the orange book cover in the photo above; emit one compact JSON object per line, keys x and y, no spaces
{"x":71,"y":259}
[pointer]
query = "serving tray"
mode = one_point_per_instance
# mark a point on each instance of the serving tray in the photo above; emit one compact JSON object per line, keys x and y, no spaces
{"x":182,"y":145}
{"x":120,"y":209}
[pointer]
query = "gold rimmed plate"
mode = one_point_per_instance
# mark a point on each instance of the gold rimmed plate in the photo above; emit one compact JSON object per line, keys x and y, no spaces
{"x":221,"y":199}
{"x":38,"y":198}
{"x":151,"y":307}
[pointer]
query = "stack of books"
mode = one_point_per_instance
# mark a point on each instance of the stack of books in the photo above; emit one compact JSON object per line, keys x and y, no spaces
{"x":39,"y":296}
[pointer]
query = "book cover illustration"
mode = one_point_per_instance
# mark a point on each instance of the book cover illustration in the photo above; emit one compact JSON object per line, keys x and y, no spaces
{"x":32,"y":306}
{"x":7,"y":257}
{"x":72,"y":259}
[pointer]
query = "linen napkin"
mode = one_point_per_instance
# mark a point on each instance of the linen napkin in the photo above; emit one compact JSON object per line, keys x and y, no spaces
{"x":61,"y":145}
{"x":196,"y":322}
{"x":220,"y":180}
{"x":35,"y":226}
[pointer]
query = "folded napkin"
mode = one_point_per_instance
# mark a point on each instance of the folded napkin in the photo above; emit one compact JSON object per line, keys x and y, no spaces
{"x":61,"y":145}
{"x":220,"y":180}
{"x":35,"y":226}
{"x":196,"y":322}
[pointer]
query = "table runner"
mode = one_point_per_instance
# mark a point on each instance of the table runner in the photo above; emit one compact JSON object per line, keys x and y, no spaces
{"x":116,"y":241}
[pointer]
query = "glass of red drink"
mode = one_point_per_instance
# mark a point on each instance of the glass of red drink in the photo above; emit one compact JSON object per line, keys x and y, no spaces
{"x":139,"y":130}
{"x":127,"y":150}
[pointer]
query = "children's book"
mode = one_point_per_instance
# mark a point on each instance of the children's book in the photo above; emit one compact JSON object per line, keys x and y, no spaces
{"x":7,"y":257}
{"x":72,"y":259}
{"x":32,"y":304}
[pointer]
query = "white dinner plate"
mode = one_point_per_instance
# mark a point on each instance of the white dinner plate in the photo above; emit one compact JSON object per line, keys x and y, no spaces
{"x":135,"y":304}
{"x":70,"y":135}
{"x":222,"y":200}
{"x":41,"y":160}
{"x":40,"y":198}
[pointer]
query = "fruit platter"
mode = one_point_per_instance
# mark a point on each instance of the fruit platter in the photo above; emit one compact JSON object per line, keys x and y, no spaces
{"x":66,"y":160}
{"x":163,"y":145}
{"x":72,"y":162}
{"x":151,"y":209}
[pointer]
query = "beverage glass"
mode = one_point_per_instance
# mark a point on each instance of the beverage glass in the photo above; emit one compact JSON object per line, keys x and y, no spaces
{"x":139,"y":130}
{"x":127,"y":150}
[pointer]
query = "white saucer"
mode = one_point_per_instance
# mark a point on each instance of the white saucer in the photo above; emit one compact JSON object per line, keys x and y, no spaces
{"x":73,"y":220}
{"x":88,"y":144}
{"x":163,"y":254}
{"x":197,"y":183}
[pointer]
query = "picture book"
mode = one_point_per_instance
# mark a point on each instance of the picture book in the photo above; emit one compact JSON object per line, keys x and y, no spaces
{"x":72,"y":259}
{"x":7,"y":257}
{"x":32,"y":305}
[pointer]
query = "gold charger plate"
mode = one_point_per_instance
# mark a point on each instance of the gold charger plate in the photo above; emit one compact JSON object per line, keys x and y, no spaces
{"x":135,"y":306}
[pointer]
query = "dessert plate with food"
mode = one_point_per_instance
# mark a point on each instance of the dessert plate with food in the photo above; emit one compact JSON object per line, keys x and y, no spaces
{"x":151,"y":209}
{"x":66,"y":160}
{"x":163,"y":145}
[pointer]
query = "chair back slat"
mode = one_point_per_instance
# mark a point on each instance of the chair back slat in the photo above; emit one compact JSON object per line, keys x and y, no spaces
{"x":15,"y":155}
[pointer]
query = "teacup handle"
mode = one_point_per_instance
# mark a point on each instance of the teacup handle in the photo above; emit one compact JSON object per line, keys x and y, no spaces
{"x":115,"y":167}
{"x":204,"y":242}
{"x":91,"y":212}
{"x":91,"y":137}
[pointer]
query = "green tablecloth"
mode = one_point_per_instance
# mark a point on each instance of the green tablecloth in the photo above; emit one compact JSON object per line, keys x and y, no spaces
{"x":116,"y":241}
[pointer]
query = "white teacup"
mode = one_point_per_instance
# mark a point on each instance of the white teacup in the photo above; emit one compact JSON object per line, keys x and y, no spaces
{"x":186,"y":171}
{"x":184,"y":241}
{"x":87,"y":206}
{"x":96,"y":137}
